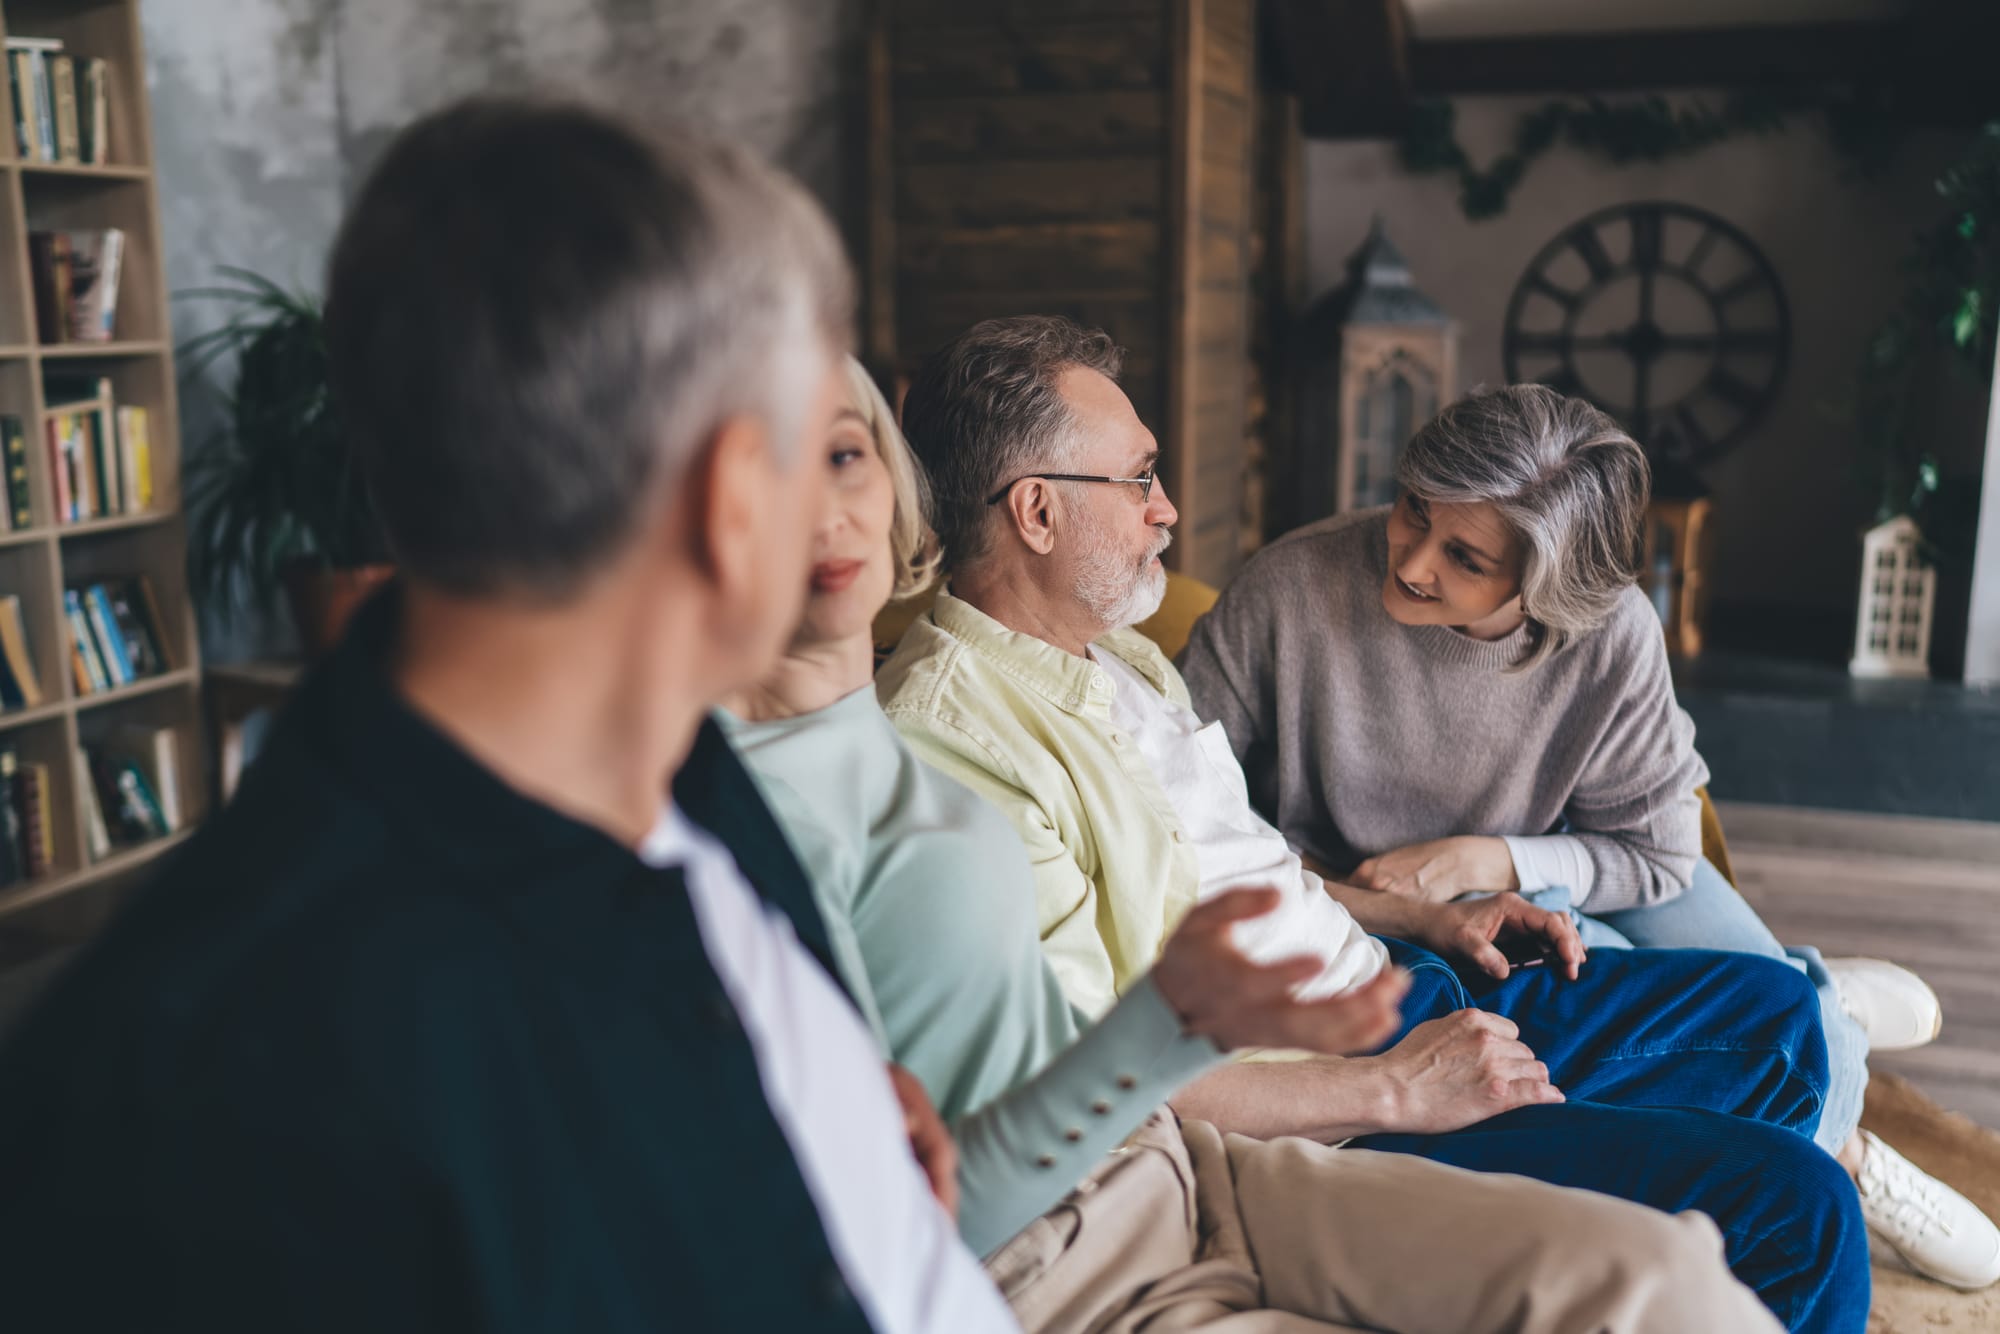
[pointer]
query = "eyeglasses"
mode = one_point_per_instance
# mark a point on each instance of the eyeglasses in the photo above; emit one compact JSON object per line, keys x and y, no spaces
{"x":1144,"y":481}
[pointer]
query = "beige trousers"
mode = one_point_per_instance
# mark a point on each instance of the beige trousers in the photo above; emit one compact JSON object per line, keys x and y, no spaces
{"x":1186,"y":1229}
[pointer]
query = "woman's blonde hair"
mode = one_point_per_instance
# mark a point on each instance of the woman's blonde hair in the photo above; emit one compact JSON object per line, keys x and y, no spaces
{"x":912,"y":547}
{"x":1568,"y":481}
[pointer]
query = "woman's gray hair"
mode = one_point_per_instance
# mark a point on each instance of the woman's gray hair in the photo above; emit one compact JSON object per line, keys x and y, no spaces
{"x":1569,"y":482}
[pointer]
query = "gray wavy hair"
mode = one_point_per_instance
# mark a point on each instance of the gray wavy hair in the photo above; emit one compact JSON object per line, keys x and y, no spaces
{"x":1569,"y":482}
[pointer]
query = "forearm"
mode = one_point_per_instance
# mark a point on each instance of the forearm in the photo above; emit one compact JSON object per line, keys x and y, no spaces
{"x":1325,"y":1099}
{"x":1383,"y":914}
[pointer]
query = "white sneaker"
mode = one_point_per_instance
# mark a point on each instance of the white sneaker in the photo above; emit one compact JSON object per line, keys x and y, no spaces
{"x":1894,"y":1007}
{"x":1930,"y":1227}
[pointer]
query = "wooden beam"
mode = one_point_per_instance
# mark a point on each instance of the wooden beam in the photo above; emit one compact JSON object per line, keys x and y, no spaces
{"x":1687,"y":58}
{"x":1348,"y":60}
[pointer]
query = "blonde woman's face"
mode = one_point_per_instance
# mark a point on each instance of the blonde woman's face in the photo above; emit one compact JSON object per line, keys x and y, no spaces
{"x":1453,"y":565}
{"x":852,"y":571}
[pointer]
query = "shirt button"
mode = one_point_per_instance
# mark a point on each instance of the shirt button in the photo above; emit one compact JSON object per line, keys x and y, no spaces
{"x":1101,"y":1107}
{"x":1179,"y":837}
{"x":1046,"y":1160}
{"x":830,"y":1290}
{"x":1072,"y":1134}
{"x":1127,"y":1082}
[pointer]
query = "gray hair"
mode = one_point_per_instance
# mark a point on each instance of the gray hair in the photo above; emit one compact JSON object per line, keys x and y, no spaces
{"x":1569,"y":482}
{"x":537,"y":315}
{"x":987,"y":408}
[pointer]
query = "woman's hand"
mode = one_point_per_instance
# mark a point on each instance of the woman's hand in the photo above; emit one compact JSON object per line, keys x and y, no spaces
{"x":1441,"y":870}
{"x":930,"y":1141}
{"x":1468,"y":931}
{"x":1219,"y":993}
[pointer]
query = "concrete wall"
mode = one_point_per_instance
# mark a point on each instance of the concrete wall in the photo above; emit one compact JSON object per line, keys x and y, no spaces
{"x":1788,"y":503}
{"x":268,"y":113}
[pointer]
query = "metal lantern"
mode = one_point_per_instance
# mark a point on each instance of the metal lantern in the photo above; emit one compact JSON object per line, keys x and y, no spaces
{"x":1382,"y":359}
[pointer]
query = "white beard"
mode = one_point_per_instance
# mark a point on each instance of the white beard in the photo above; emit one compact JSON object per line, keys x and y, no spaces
{"x":1117,"y":594}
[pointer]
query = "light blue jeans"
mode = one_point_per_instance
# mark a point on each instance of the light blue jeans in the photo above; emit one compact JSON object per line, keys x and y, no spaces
{"x":1712,"y":915}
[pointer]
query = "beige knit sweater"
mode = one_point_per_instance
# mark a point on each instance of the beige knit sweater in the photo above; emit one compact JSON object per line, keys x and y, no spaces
{"x":1360,"y":735}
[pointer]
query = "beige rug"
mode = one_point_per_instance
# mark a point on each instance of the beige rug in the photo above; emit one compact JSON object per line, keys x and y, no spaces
{"x":1964,"y":1155}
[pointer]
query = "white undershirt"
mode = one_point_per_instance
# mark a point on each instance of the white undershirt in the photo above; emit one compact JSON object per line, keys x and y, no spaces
{"x":824,"y":1078}
{"x":1235,"y":847}
{"x":1554,"y":859}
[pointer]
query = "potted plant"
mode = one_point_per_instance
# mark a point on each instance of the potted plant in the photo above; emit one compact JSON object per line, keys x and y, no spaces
{"x":274,"y":497}
{"x":1948,"y":313}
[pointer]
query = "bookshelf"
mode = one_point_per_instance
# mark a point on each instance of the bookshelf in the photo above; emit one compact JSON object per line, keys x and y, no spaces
{"x":42,"y":559}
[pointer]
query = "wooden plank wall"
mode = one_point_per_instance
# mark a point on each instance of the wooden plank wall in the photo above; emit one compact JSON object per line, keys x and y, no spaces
{"x":1087,"y":158}
{"x":1208,"y":366}
{"x":1028,"y":171}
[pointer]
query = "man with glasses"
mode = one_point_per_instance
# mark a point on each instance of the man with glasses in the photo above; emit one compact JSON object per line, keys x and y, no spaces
{"x":1684,"y":1080}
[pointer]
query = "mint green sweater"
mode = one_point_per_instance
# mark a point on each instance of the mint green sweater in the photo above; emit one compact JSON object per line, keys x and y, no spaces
{"x":930,"y":904}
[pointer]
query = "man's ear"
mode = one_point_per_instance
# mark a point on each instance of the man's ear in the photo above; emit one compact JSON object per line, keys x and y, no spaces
{"x":1031,"y":507}
{"x":727,"y":487}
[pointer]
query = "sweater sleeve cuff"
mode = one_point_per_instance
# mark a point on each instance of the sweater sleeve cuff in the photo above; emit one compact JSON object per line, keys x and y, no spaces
{"x":1553,"y":859}
{"x":1020,"y":1156}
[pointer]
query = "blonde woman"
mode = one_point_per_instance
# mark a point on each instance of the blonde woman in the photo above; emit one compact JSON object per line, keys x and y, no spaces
{"x":1468,"y":693}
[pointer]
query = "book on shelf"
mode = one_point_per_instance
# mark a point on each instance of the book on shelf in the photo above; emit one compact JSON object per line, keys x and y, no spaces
{"x":27,"y":842}
{"x":34,"y":101}
{"x":156,"y":750}
{"x":31,"y":809}
{"x":20,"y":687}
{"x":61,"y":103}
{"x":21,"y":80}
{"x":96,"y":833}
{"x":129,"y":794}
{"x":114,"y":634}
{"x":13,"y":856}
{"x":94,"y":110}
{"x":20,"y":511}
{"x":62,"y":94}
{"x":76,"y":276}
{"x":100,"y":453}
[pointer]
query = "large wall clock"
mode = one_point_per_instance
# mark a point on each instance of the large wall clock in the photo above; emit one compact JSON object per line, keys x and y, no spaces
{"x":1665,"y":316}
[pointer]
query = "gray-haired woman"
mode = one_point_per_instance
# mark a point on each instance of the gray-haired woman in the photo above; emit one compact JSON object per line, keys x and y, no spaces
{"x":1468,"y":693}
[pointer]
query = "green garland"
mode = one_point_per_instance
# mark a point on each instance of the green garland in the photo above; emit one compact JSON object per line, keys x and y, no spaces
{"x":1649,"y":130}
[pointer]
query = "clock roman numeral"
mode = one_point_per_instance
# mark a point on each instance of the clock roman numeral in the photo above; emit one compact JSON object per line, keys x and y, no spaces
{"x":1562,"y":295}
{"x":1743,"y":286}
{"x":1646,"y":227}
{"x":1585,"y":241}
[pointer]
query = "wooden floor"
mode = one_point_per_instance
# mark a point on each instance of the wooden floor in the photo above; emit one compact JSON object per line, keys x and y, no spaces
{"x":1923,"y":893}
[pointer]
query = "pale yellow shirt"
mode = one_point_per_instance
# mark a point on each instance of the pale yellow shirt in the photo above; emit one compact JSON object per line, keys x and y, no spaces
{"x":1034,"y":730}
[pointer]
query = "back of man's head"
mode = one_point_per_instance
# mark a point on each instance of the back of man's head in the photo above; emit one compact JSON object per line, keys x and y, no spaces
{"x":987,"y":408}
{"x":538,"y":315}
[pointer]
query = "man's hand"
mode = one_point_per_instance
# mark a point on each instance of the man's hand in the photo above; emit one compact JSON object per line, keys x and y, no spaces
{"x":1441,"y":870}
{"x":1456,"y":1071}
{"x":929,"y":1140}
{"x":1468,"y":929}
{"x":1234,"y":1002}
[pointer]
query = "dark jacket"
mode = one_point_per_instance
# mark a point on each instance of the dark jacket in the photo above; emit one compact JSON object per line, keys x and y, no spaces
{"x":390,"y":1046}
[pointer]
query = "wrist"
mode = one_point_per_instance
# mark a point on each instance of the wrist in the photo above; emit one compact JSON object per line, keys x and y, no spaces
{"x":1371,"y":1099}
